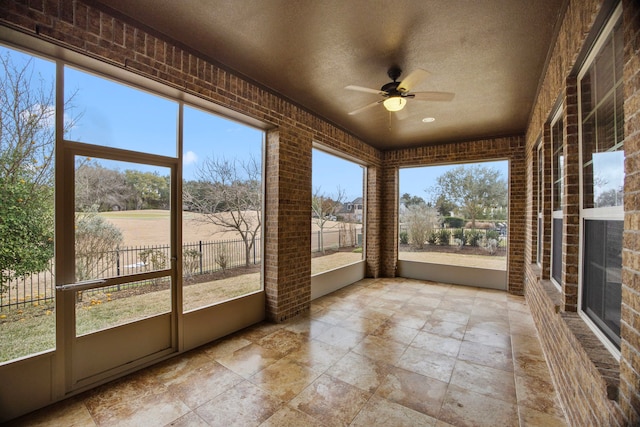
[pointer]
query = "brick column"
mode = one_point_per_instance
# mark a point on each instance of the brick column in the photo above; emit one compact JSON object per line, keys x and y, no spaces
{"x":630,"y":346}
{"x":389,"y":221}
{"x":287,"y":263}
{"x":373,"y":221}
{"x":571,"y":199}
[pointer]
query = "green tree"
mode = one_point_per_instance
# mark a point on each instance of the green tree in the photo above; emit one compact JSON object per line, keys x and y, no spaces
{"x":147,"y":190}
{"x":407,"y":200}
{"x":27,"y":136}
{"x":475,"y":190}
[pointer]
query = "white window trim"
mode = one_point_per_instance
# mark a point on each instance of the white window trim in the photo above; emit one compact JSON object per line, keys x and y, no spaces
{"x":555,"y":213}
{"x":612,"y":213}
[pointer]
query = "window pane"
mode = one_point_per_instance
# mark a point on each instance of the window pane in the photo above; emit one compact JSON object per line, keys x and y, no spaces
{"x":103,"y":308}
{"x":603,"y":127}
{"x":122,"y":222}
{"x":27,"y":284}
{"x":556,"y":249}
{"x":337,"y":212}
{"x":222,"y":209}
{"x":557,"y":132}
{"x":116,"y":115}
{"x":455,"y":215}
{"x":602,"y":296}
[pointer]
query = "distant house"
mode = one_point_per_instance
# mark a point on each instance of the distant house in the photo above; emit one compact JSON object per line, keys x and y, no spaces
{"x":352,"y":211}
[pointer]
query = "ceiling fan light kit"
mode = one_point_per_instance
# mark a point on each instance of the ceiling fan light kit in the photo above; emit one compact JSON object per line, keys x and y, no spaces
{"x":396,"y":93}
{"x":394,"y":103}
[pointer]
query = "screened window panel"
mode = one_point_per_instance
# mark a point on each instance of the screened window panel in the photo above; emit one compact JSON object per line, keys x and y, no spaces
{"x":556,"y":263}
{"x":603,"y":275}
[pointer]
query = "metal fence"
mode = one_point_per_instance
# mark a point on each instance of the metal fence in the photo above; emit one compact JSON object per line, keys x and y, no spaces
{"x":199,"y":258}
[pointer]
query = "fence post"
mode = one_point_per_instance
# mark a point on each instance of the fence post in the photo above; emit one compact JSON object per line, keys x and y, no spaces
{"x":200,"y":249}
{"x":117,"y":261}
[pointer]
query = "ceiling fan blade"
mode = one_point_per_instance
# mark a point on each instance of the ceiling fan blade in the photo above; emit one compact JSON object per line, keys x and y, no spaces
{"x":365,"y":89}
{"x":366,"y":107}
{"x":433,"y":96}
{"x":413,"y":79}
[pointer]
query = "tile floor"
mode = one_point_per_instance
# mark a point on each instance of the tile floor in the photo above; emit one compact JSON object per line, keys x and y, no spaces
{"x":383,"y":352}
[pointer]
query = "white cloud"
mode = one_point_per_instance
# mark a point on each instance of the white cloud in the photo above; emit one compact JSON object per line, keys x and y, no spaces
{"x":189,"y":157}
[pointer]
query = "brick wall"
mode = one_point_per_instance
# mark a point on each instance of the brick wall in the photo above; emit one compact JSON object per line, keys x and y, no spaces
{"x":594,"y":388}
{"x":630,"y":360}
{"x":507,"y":148}
{"x":95,"y":32}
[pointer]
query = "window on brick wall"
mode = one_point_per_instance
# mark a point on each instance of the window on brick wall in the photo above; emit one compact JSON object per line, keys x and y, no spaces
{"x":557,"y":176}
{"x":337,"y":212}
{"x":602,"y":175}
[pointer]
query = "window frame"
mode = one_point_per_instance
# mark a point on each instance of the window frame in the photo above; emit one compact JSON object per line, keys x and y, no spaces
{"x":607,"y":213}
{"x":557,"y":212}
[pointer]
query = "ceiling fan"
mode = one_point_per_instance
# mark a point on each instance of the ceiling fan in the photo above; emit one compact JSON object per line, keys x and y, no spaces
{"x":395,"y":94}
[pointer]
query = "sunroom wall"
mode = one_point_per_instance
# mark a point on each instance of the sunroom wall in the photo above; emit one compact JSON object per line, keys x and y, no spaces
{"x":93,"y":32}
{"x":594,"y":387}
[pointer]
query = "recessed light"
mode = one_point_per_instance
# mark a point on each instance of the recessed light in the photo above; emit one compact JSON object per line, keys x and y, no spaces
{"x":429,"y":119}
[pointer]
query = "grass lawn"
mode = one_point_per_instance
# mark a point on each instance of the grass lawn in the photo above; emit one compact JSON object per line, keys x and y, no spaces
{"x":32,"y":329}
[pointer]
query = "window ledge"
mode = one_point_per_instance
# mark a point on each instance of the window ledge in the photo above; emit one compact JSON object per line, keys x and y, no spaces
{"x":603,"y":360}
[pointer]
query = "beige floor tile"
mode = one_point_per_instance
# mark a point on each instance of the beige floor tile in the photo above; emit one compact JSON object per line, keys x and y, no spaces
{"x":532,"y":418}
{"x":465,"y":408}
{"x":481,"y":354}
{"x":380,"y":349}
{"x":344,"y":338}
{"x":289,"y":417}
{"x":203,"y":384}
{"x":439,"y":344}
{"x":285,"y":378}
{"x":250,"y":359}
{"x":450,"y":316}
{"x":415,"y":391}
{"x":381,"y":412}
{"x":393,"y":331}
{"x":537,"y":394}
{"x":317,"y":355}
{"x":360,"y":371}
{"x":428,"y":363}
{"x":244,"y":405}
{"x":333,"y":402}
{"x":491,"y":382}
{"x":191,"y":419}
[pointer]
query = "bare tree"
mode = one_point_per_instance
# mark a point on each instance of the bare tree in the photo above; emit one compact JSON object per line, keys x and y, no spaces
{"x":230,"y":197}
{"x":420,"y":219}
{"x":325,"y":208}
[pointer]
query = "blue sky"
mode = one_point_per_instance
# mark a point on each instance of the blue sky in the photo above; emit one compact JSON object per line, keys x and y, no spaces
{"x":116,"y":115}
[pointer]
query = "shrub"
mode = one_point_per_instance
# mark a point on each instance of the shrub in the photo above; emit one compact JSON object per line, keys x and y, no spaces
{"x":358,"y":250}
{"x":453,"y":222}
{"x":493,"y":234}
{"x":443,"y":237}
{"x":432,"y":238}
{"x":404,"y":237}
{"x":458,"y":233}
{"x":473,"y":237}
